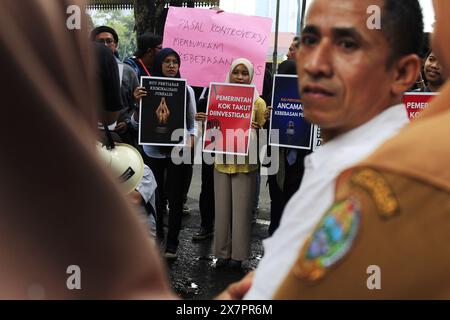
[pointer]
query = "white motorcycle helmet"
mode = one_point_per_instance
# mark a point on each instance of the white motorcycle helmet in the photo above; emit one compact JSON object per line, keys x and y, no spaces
{"x":125,"y":162}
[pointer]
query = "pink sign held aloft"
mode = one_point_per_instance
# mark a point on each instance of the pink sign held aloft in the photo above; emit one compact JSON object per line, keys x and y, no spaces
{"x":208,"y":42}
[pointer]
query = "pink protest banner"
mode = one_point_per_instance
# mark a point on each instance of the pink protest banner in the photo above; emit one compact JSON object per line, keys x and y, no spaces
{"x":416,"y":102}
{"x":208,"y":42}
{"x":229,"y":117}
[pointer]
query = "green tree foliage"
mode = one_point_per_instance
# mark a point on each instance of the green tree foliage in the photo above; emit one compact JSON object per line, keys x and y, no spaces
{"x":123,"y":22}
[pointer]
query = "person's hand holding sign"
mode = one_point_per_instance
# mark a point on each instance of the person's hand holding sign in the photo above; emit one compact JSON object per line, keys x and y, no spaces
{"x":162,"y":112}
{"x":139,"y":92}
{"x":217,"y":8}
{"x":200,"y":116}
{"x":255,"y":125}
{"x":267,"y":113}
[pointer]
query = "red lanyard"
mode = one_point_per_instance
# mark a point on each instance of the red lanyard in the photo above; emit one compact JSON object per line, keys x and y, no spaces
{"x":143,"y":66}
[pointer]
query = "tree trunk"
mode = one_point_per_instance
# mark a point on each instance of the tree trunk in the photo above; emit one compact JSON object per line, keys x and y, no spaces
{"x":148,"y":15}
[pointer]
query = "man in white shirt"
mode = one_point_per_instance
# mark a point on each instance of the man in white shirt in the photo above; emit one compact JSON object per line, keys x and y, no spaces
{"x":351,"y":80}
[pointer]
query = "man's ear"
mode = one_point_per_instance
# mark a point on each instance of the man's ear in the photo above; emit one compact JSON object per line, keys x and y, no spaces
{"x":407,"y":70}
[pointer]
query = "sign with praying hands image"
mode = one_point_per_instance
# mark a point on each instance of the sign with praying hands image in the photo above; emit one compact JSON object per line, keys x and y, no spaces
{"x":162,"y":111}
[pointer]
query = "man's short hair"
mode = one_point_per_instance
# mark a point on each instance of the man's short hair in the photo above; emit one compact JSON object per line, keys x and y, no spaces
{"x":402,"y":23}
{"x":102,"y":29}
{"x":147,"y":41}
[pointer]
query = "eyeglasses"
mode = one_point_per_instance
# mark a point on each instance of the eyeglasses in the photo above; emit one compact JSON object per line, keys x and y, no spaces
{"x":105,"y":41}
{"x":171,"y":62}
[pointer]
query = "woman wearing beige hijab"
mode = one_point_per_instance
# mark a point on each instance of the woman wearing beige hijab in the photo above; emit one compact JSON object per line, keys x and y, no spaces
{"x":234,"y":186}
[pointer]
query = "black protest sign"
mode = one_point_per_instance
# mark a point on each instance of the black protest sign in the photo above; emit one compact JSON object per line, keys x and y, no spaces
{"x":163,"y":112}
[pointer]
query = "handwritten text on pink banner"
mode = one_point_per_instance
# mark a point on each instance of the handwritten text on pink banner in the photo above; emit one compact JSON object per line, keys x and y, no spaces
{"x":208,"y":42}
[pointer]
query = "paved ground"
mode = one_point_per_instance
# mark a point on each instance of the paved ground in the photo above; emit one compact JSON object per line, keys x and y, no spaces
{"x":193,"y":275}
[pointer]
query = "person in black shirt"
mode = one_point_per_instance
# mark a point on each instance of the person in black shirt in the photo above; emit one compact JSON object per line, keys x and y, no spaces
{"x":148,"y":46}
{"x":206,"y":201}
{"x":286,"y":182}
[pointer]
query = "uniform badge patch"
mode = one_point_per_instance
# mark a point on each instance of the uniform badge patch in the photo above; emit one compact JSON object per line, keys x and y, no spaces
{"x":379,"y":190}
{"x":331,"y":240}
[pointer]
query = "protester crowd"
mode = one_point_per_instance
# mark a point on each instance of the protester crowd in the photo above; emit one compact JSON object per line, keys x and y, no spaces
{"x":240,"y":205}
